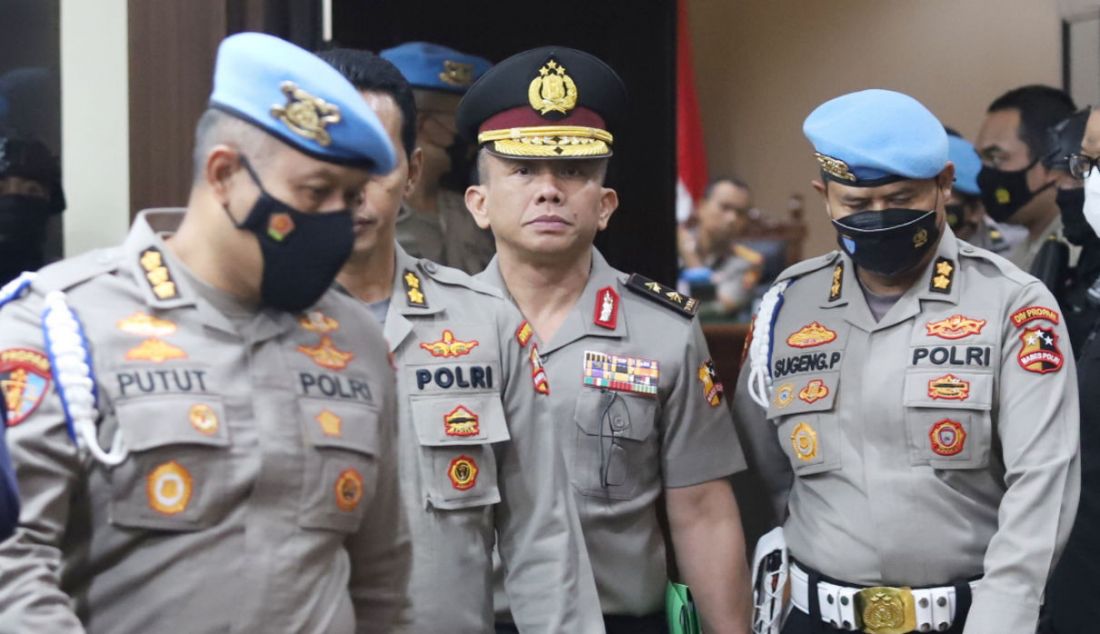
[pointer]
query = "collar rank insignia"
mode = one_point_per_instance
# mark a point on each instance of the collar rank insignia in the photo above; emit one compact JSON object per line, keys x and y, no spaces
{"x":144,"y":325}
{"x":837,"y":286}
{"x":607,"y":308}
{"x":553,"y":90}
{"x":24,"y":380}
{"x":157,"y":275}
{"x":461,"y":422}
{"x":814,"y":391}
{"x":835,"y":167}
{"x":1031,"y":313}
{"x":662,"y":294}
{"x":458,"y":74}
{"x":524,"y":333}
{"x":943,"y":275}
{"x":955,"y":327}
{"x":810,"y":335}
{"x":462,"y":473}
{"x":318,"y":322}
{"x":804,"y":441}
{"x":330,"y":423}
{"x":448,"y":346}
{"x":306,"y":115}
{"x":538,"y":372}
{"x":349,"y":490}
{"x":949,"y":388}
{"x":712,"y":387}
{"x":156,"y":351}
{"x":414,"y":295}
{"x":1039,"y":352}
{"x":327,"y":355}
{"x":628,"y":374}
{"x":948,"y":437}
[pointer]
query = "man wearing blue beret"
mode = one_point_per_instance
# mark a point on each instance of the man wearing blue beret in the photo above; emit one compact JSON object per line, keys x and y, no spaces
{"x":911,"y":400}
{"x":433,"y":222}
{"x":202,"y":432}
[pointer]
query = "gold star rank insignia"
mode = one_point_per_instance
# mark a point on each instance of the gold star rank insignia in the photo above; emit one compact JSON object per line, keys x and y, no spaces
{"x":837,"y":286}
{"x":414,"y":296}
{"x":943,"y":276}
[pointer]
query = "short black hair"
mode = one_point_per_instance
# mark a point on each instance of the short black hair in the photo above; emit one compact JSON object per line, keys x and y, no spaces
{"x":1040,"y":108}
{"x":370,"y":73}
{"x":725,"y":178}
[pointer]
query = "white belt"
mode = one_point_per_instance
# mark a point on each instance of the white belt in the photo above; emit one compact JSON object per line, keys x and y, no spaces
{"x":933,"y":609}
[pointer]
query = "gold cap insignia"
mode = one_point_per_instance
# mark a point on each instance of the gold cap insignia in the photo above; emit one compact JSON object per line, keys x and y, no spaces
{"x":459,"y":74}
{"x":305,"y":114}
{"x":552,"y":90}
{"x":834,"y":167}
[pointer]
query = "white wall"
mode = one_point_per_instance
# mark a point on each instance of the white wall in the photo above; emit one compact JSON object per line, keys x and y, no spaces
{"x":95,"y":140}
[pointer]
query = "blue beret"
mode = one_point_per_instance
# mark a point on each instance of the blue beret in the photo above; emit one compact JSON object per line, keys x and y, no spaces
{"x":433,"y":67}
{"x":295,"y":96}
{"x":873,"y":137}
{"x":967,"y":165}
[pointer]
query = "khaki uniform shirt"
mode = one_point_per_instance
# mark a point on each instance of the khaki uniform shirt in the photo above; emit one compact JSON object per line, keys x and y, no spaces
{"x":474,"y":465}
{"x":260,"y":491}
{"x":450,"y":236}
{"x":638,"y":409}
{"x":936,"y":445}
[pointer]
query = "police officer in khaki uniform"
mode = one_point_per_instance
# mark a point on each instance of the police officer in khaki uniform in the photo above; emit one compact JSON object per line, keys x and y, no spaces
{"x":915,"y":407}
{"x":475,"y":425}
{"x":635,"y":399}
{"x":433,"y":222}
{"x":194,"y":448}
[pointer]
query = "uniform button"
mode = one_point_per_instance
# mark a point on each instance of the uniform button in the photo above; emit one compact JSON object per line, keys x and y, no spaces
{"x":926,"y":627}
{"x":843,"y":600}
{"x":943,"y":627}
{"x":430,"y":266}
{"x":829,"y":598}
{"x":968,"y":249}
{"x":847,"y":625}
{"x":620,"y":423}
{"x":924,"y":602}
{"x":942,"y":601}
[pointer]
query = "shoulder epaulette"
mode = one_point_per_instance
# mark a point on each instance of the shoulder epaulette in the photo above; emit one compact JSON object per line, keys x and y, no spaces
{"x":662,"y":294}
{"x":808,"y":266}
{"x":1007,"y":268}
{"x":455,"y":277}
{"x":63,"y":275}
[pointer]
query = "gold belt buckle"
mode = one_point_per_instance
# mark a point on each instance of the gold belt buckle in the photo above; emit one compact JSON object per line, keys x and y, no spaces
{"x":886,"y":610}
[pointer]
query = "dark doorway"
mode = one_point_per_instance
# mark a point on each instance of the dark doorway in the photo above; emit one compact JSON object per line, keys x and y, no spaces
{"x":638,"y":40}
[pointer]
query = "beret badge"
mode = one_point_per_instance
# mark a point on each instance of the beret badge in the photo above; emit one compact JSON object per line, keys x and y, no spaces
{"x":306,"y":115}
{"x":458,"y":74}
{"x":834,"y":167}
{"x":552,"y":90}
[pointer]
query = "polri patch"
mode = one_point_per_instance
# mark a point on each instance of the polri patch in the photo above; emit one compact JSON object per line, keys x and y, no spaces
{"x":712,"y":387}
{"x":955,"y":327}
{"x":24,"y":380}
{"x":1031,"y":313}
{"x":607,"y":308}
{"x":947,"y":437}
{"x":623,"y":374}
{"x":810,"y":335}
{"x":327,"y":355}
{"x":1039,"y":352}
{"x":662,"y":294}
{"x":449,"y":346}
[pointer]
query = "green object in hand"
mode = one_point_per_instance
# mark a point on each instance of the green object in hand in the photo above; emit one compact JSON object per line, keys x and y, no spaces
{"x":680,"y":608}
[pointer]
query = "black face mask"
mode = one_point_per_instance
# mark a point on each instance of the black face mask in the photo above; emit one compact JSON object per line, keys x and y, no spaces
{"x":302,"y":252}
{"x":1071,"y":202}
{"x":888,"y":242}
{"x":1004,"y":193}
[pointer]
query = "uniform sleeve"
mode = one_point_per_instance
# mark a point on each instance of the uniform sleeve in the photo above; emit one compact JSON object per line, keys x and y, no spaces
{"x":381,"y":554}
{"x":765,"y":456}
{"x":548,"y":577}
{"x":9,"y":494}
{"x":47,"y":469}
{"x":1037,"y":424}
{"x":698,"y":440}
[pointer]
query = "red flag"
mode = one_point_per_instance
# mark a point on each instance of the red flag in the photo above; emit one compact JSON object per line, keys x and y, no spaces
{"x":691,"y":156}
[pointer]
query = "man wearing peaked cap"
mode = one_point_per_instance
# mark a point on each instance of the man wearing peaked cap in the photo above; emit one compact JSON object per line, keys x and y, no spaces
{"x":433,"y":222}
{"x":965,"y":214}
{"x":202,"y":432}
{"x":891,"y":402}
{"x":638,"y":404}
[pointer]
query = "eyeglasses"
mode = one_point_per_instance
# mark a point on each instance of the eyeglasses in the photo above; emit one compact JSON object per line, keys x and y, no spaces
{"x":1081,"y":165}
{"x":615,"y":427}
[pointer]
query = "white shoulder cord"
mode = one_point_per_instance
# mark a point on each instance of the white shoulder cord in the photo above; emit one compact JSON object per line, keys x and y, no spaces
{"x":13,"y":289}
{"x":760,"y":348}
{"x":72,"y":371}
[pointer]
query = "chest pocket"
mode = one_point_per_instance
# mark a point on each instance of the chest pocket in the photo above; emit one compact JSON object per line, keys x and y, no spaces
{"x":948,"y":417}
{"x":456,"y":433}
{"x":802,"y":409}
{"x":178,"y":465}
{"x":340,"y":463}
{"x":616,"y":450}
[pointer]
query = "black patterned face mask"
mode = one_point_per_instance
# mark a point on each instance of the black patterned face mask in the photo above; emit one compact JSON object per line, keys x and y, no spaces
{"x":887,"y":242}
